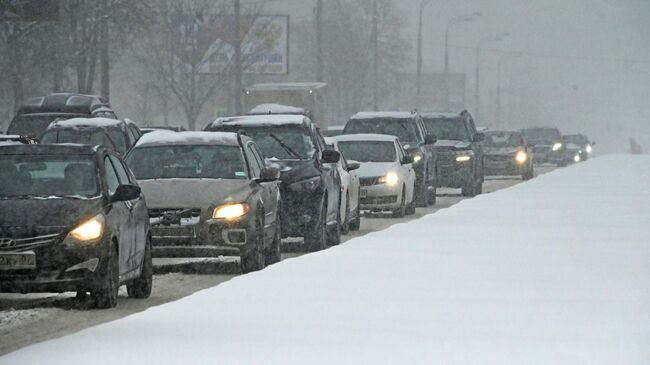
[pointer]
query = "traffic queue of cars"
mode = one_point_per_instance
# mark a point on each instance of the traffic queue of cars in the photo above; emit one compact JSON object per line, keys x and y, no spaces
{"x":88,"y":208}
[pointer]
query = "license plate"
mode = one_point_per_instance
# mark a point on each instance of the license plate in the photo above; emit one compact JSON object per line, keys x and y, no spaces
{"x":17,"y":260}
{"x":363,"y":194}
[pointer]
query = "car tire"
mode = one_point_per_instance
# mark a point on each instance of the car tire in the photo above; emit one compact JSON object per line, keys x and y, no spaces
{"x":253,"y":260}
{"x":345,"y":226}
{"x":355,"y":223}
{"x":401,"y":211}
{"x":334,"y":232}
{"x":528,"y":174}
{"x":140,"y":288}
{"x":468,"y":189}
{"x":316,"y":235}
{"x":105,"y":296}
{"x":433,"y":195}
{"x":422,"y":198}
{"x":274,"y":253}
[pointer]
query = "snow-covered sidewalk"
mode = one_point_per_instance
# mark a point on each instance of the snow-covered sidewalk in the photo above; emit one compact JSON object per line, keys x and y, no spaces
{"x":552,"y":271}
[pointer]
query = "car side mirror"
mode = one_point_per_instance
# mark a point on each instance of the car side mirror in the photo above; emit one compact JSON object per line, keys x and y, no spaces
{"x":407,"y":160}
{"x":430,"y":139}
{"x":269,"y":174}
{"x":125,"y":193}
{"x":330,"y":156}
{"x":353,"y":165}
{"x":479,"y":137}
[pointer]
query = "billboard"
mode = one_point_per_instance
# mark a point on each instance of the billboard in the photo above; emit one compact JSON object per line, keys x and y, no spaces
{"x":29,"y":10}
{"x":207,"y":41}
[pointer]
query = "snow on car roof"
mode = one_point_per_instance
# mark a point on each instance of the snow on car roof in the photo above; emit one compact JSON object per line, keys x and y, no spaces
{"x":165,"y":137}
{"x":87,"y":122}
{"x":441,"y":115}
{"x":389,"y":115}
{"x":364,"y":137}
{"x":276,"y":109}
{"x":264,"y":120}
{"x":287,"y":86}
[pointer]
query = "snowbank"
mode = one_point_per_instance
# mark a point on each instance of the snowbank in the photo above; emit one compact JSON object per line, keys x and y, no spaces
{"x":552,"y":271}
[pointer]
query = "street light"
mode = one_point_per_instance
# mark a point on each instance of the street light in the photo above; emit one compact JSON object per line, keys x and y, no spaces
{"x":481,"y":42}
{"x":418,"y":81}
{"x":453,"y":21}
{"x":502,"y":59}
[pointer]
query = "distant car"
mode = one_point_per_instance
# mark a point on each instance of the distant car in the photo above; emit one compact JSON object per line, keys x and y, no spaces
{"x":458,"y":150}
{"x":507,"y":153}
{"x":36,"y":114}
{"x":333,"y":131}
{"x":386,"y":174}
{"x":150,"y":129}
{"x":578,"y":147}
{"x":72,"y":219}
{"x":115,"y":135}
{"x":547,"y":145}
{"x":412,"y":134}
{"x":209,"y":194}
{"x":310,"y":189}
{"x":350,"y":210}
{"x":14,"y":139}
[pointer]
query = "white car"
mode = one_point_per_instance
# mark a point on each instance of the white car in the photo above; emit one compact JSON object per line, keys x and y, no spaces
{"x":350,"y":188}
{"x":386,"y":173}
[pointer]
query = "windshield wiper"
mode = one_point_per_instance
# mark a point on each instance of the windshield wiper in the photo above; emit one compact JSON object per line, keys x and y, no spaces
{"x":285,"y":147}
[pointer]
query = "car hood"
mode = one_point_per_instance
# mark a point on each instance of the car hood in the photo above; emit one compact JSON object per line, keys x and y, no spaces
{"x":295,"y":170}
{"x":368,"y":169}
{"x":39,"y":216}
{"x":450,"y":143}
{"x":194,"y":193}
{"x":500,"y":150}
{"x":573,"y":147}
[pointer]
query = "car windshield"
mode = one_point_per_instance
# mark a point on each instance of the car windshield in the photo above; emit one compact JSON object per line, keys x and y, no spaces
{"x":95,"y":137}
{"x":187,"y":162}
{"x":404,"y":129}
{"x":47,"y":176}
{"x":575,"y":139}
{"x":502,"y":139}
{"x":288,"y":142}
{"x":32,"y":125}
{"x":542,"y":134}
{"x":445,"y":128}
{"x":369,"y":151}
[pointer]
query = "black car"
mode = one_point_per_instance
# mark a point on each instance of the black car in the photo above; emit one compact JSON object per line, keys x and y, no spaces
{"x":547,"y":145}
{"x":310,"y":190}
{"x":458,"y":149}
{"x":410,"y":130}
{"x":36,"y":114}
{"x":72,"y":218}
{"x":577,"y":147}
{"x":113,"y":134}
{"x":507,"y":153}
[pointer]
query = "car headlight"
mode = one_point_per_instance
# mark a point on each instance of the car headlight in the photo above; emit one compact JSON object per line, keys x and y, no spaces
{"x":588,"y":148}
{"x":521,"y":157}
{"x":90,"y":230}
{"x":464,"y":156}
{"x":417,"y":158}
{"x":390,"y":179}
{"x":576,"y":158}
{"x":231,"y":211}
{"x":557,"y":146}
{"x":306,"y":185}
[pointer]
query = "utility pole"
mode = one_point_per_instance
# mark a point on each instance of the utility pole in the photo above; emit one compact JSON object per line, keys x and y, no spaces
{"x":319,"y":40}
{"x":374,"y":40}
{"x":238,"y":65}
{"x":105,"y":62}
{"x":418,"y":73}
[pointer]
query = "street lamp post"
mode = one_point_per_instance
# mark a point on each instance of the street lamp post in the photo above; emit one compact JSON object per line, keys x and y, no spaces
{"x":502,"y":59}
{"x":477,"y":91}
{"x":418,"y":77}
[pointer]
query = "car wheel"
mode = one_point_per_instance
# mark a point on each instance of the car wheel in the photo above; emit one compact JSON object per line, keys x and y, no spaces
{"x":422,"y":199}
{"x":468,"y":189}
{"x":140,"y":288}
{"x":316,"y":236}
{"x":355,"y":224}
{"x":401,"y":211}
{"x":106,"y":296}
{"x":274,"y":253}
{"x":528,"y":174}
{"x":334,"y":232}
{"x":433,"y":195}
{"x":253,"y":260}
{"x":345,"y":226}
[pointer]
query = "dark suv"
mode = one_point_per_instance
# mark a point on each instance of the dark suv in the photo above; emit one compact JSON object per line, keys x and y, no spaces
{"x":459,"y":151}
{"x":310,"y":190}
{"x":36,"y":114}
{"x":115,"y":135}
{"x":72,"y":218}
{"x":410,"y":131}
{"x":547,"y":145}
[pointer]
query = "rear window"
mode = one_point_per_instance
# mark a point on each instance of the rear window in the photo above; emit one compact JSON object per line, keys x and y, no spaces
{"x":404,"y":129}
{"x":368,"y":151}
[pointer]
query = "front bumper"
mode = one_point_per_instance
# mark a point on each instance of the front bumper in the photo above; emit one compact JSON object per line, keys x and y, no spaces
{"x":380,"y":197}
{"x":503,"y":165}
{"x":300,"y":211}
{"x":545,"y":154}
{"x":454,"y":174}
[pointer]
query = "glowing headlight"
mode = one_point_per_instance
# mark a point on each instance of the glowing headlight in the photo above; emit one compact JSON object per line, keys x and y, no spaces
{"x":588,"y":148}
{"x":231,"y":211}
{"x":417,"y":158}
{"x":557,"y":146}
{"x":89,"y":230}
{"x":390,"y":179}
{"x":576,"y":158}
{"x":521,"y":157}
{"x":463,"y":158}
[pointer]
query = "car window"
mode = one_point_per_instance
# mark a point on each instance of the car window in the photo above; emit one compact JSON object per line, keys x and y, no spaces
{"x":112,"y":181}
{"x":258,"y":155}
{"x":369,"y":151}
{"x":255,"y":163}
{"x":119,"y":139}
{"x":121,"y":172}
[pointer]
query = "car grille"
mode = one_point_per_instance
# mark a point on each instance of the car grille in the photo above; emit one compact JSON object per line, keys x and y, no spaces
{"x":24,"y":244}
{"x":368,"y":181}
{"x":498,"y":158}
{"x":179,"y":212}
{"x":379,"y":199}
